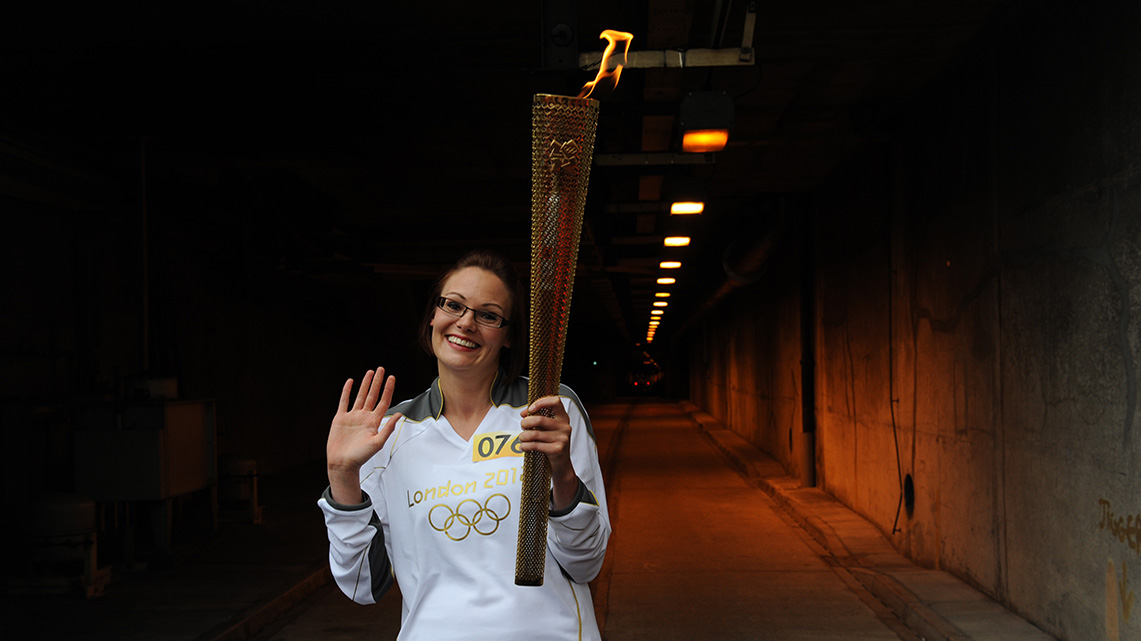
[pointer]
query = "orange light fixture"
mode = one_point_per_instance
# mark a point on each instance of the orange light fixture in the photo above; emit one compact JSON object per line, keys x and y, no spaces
{"x":704,"y":119}
{"x":666,"y":280}
{"x":686,"y":208}
{"x":660,"y":303}
{"x":676,"y":241}
{"x":657,"y":312}
{"x":661,"y":294}
{"x":701,"y":141}
{"x":670,"y":264}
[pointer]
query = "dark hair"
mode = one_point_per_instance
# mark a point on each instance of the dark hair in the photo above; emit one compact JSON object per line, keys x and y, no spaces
{"x":512,"y":360}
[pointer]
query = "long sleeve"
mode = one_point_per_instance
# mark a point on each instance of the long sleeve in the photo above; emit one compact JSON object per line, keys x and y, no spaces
{"x":577,"y":536}
{"x":358,"y":557}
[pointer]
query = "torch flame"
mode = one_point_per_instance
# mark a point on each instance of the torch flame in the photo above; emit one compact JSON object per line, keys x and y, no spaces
{"x":613,"y":38}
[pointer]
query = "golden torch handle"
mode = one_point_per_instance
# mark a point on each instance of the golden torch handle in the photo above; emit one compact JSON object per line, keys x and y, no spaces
{"x":562,"y":145}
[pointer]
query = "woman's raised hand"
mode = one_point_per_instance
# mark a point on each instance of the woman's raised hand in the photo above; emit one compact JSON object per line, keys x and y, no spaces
{"x":357,"y":434}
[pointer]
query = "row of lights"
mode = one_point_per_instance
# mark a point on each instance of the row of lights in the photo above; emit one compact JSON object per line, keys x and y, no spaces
{"x":705,"y":120}
{"x":660,"y":296}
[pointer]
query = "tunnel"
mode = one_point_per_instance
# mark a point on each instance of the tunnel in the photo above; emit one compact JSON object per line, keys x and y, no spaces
{"x":882,"y":386}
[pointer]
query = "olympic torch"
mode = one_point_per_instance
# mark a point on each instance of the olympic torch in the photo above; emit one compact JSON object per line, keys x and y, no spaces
{"x":562,"y":146}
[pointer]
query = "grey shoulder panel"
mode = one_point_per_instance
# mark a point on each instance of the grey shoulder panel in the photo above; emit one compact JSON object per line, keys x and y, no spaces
{"x":569,"y":393}
{"x":513,"y":393}
{"x":427,"y":405}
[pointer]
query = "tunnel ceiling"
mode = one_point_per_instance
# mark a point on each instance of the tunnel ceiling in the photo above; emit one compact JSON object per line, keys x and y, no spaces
{"x":383,"y":140}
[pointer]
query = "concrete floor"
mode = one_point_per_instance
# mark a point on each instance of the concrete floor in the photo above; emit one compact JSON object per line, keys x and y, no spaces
{"x":699,"y":552}
{"x":711,"y":541}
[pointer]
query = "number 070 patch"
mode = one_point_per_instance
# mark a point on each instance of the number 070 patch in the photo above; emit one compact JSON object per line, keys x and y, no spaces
{"x":493,"y":445}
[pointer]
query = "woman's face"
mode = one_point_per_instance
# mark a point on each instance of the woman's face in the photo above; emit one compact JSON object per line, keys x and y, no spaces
{"x":460,"y":343}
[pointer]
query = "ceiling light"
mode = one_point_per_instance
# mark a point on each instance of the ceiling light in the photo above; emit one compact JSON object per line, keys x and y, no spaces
{"x":657,"y":312}
{"x":704,"y":140}
{"x":670,"y":264}
{"x":661,"y":294}
{"x":665,"y":280}
{"x":704,"y":119}
{"x":676,"y":241}
{"x":682,"y":208}
{"x":660,"y":303}
{"x":686,"y":194}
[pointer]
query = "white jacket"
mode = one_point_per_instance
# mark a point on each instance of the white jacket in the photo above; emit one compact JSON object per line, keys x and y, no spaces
{"x":441,"y":515}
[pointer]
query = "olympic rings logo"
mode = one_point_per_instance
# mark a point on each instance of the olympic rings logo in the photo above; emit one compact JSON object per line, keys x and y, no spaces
{"x":470,"y":515}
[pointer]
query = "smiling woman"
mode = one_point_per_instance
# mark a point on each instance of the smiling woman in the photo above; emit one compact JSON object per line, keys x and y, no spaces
{"x":473,"y":270}
{"x":427,"y":492}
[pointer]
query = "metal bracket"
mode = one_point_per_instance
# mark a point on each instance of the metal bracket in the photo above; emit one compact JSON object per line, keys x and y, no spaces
{"x":682,"y":58}
{"x":673,"y":58}
{"x":747,"y":38}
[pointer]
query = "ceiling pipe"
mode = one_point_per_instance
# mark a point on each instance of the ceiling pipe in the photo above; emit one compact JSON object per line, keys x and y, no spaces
{"x":675,"y":59}
{"x":739,"y":273}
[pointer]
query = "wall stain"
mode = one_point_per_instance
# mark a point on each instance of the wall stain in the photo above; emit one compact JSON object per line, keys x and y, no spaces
{"x":949,"y":324}
{"x":1118,"y":600}
{"x":1125,"y":592}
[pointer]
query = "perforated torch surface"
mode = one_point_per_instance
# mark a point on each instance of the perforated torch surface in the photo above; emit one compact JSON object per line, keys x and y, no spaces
{"x":562,"y":146}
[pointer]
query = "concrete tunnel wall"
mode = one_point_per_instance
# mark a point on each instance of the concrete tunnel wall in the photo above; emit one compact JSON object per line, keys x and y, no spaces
{"x":983,"y":268}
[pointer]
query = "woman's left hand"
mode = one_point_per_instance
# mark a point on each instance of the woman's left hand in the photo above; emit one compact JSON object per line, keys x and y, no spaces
{"x":551,"y":435}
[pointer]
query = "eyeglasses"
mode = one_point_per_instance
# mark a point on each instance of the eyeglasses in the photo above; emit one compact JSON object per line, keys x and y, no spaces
{"x":482,"y":316}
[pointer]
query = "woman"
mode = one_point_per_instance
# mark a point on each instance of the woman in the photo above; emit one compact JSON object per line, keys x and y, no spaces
{"x":427,"y":492}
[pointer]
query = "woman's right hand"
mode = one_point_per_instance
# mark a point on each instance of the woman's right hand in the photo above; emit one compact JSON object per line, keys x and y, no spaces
{"x":356,"y":433}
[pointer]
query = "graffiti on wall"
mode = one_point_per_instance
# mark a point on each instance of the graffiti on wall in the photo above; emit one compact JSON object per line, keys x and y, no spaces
{"x":1118,"y":597}
{"x":1126,"y":529}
